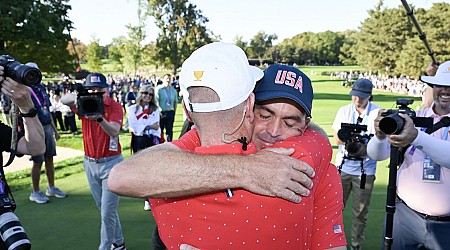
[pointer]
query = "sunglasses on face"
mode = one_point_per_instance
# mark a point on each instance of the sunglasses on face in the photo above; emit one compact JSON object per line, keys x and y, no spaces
{"x":146,"y":93}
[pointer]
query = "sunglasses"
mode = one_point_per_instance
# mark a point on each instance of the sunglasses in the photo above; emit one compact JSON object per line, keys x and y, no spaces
{"x":146,"y":93}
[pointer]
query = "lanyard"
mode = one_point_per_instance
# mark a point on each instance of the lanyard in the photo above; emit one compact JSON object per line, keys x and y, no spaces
{"x":37,"y":99}
{"x":167,"y":97}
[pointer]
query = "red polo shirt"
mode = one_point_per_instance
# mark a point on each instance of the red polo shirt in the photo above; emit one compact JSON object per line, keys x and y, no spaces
{"x":95,"y":139}
{"x":249,"y":221}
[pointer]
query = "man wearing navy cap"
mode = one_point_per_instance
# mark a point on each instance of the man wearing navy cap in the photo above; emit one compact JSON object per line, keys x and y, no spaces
{"x":355,"y":166}
{"x":102,"y":151}
{"x":422,"y":215}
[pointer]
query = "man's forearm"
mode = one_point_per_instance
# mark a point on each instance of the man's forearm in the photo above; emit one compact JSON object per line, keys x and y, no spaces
{"x":33,"y":142}
{"x":177,"y":173}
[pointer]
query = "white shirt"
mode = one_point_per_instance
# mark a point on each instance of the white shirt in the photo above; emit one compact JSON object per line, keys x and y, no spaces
{"x":137,"y":126}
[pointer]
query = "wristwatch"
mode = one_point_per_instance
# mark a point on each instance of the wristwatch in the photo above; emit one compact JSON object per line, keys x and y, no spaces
{"x":31,"y":113}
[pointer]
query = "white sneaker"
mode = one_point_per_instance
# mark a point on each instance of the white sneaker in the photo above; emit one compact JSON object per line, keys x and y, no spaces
{"x":38,"y":197}
{"x":147,"y":206}
{"x":54,"y":191}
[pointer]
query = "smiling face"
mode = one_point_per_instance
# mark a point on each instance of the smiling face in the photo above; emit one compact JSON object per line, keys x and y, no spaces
{"x":441,"y":96}
{"x":277,"y":120}
{"x":147,"y":96}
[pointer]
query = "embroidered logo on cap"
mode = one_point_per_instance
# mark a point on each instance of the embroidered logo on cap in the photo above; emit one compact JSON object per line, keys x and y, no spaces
{"x":95,"y":79}
{"x":198,"y":75}
{"x":289,"y":78}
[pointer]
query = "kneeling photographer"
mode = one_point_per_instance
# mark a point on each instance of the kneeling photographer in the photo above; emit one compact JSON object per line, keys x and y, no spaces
{"x":353,"y":127}
{"x":29,"y":141}
{"x":101,"y":120}
{"x":422,"y":215}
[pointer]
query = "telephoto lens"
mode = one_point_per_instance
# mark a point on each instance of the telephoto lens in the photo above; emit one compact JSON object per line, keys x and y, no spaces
{"x":12,"y":233}
{"x":392,"y":124}
{"x":20,"y":73}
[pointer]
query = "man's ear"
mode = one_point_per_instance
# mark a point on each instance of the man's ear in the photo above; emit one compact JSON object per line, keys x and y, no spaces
{"x":188,"y":116}
{"x":250,"y":108}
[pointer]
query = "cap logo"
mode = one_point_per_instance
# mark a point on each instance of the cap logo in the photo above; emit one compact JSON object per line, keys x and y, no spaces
{"x":95,"y":79}
{"x":289,"y":78}
{"x":198,"y":75}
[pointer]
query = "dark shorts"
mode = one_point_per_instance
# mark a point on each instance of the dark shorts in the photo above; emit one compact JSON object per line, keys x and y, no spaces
{"x":50,"y":145}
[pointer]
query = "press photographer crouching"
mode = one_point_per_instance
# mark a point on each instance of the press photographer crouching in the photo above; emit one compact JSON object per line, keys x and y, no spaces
{"x":422,"y":214}
{"x":353,"y":127}
{"x":101,"y":120}
{"x":29,"y":141}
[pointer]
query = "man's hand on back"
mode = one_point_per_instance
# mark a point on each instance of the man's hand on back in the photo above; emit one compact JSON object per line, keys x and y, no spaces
{"x":272,"y":172}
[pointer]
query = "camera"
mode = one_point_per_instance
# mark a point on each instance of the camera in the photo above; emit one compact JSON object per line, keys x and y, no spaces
{"x":20,"y":73}
{"x":355,"y":139}
{"x":392,"y":123}
{"x":89,"y":103}
{"x":11,"y":231}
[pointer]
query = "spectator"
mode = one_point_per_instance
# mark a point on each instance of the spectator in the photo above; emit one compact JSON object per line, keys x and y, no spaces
{"x":55,"y":110}
{"x":143,"y":119}
{"x":167,"y":97}
{"x":42,"y":103}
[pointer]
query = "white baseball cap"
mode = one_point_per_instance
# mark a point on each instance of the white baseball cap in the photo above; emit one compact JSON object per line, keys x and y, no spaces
{"x":442,"y":77}
{"x":222,"y":67}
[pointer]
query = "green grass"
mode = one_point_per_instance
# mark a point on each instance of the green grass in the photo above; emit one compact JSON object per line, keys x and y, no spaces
{"x":74,"y":223}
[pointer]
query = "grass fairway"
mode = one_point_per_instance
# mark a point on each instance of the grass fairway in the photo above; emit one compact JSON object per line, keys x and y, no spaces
{"x":74,"y":222}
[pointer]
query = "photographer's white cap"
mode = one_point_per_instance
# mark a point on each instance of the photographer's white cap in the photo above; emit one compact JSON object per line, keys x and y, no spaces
{"x":442,"y":77}
{"x":222,"y":67}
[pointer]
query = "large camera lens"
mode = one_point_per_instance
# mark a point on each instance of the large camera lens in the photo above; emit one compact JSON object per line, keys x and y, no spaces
{"x":90,"y":105}
{"x":24,"y":74}
{"x":392,"y":124}
{"x":12,"y":233}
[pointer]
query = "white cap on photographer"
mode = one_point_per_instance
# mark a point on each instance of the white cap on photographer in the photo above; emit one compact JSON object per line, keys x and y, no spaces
{"x":222,"y":67}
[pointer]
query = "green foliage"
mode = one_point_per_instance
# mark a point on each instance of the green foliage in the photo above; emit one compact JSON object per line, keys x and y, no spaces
{"x":260,"y":45}
{"x":36,"y":30}
{"x":93,"y":56}
{"x":182,"y":29}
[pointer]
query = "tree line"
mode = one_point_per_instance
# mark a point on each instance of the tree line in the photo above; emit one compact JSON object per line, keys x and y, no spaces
{"x":385,"y":43}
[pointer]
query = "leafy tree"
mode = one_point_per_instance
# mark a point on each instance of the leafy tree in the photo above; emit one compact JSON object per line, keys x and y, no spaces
{"x":133,"y":48}
{"x":182,"y":29}
{"x":238,"y":41}
{"x":115,"y":52}
{"x":77,"y":46}
{"x":36,"y":30}
{"x":93,"y":56}
{"x":260,"y":45}
{"x":347,"y":52}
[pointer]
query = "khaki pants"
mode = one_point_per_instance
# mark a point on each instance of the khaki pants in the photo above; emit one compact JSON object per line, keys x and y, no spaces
{"x":360,"y":205}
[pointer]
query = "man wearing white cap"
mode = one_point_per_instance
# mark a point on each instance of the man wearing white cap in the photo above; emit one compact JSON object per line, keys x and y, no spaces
{"x":217,"y":82}
{"x":422,"y":217}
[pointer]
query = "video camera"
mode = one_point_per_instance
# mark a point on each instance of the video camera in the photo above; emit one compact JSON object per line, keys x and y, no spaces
{"x":392,"y":123}
{"x":89,"y":103}
{"x":20,"y":73}
{"x":355,"y":140}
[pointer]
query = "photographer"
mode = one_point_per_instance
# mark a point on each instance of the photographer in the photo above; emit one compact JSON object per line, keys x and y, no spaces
{"x":102,"y":151}
{"x":357,"y":170}
{"x":20,"y":95}
{"x":422,"y":217}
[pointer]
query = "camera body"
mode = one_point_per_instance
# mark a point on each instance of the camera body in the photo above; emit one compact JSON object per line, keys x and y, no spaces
{"x":20,"y":73}
{"x":355,"y":140}
{"x":392,"y":123}
{"x":89,"y":103}
{"x":12,"y":233}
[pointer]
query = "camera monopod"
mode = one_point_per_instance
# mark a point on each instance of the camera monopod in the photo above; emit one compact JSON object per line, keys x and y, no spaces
{"x":422,"y":35}
{"x":391,"y":196}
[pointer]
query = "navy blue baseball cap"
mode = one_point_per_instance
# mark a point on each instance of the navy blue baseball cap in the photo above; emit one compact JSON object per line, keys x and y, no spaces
{"x":284,"y":81}
{"x":362,"y":88}
{"x":96,"y":80}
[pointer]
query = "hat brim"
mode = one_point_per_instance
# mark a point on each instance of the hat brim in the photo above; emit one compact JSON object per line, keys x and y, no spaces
{"x":95,"y":85}
{"x":269,"y":95}
{"x":359,"y":94}
{"x":256,"y":72}
{"x":435,"y":80}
